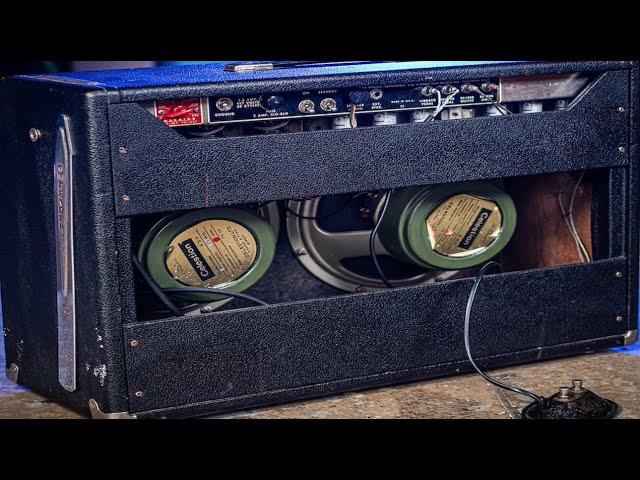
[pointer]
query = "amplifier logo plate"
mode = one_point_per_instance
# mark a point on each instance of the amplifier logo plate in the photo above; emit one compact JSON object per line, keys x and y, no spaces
{"x":179,"y":112}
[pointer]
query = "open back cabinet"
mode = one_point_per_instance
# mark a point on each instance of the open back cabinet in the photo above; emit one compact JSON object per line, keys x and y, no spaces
{"x":90,"y":161}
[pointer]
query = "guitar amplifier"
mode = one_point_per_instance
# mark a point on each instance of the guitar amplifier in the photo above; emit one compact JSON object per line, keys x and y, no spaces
{"x":181,"y":241}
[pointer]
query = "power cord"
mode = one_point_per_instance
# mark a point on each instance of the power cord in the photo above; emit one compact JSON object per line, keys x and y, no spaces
{"x":228,"y":293}
{"x":467,"y":317}
{"x":467,"y":320}
{"x":326,"y":215}
{"x":432,"y":116}
{"x":372,"y":242}
{"x":161,"y":293}
{"x":156,"y":289}
{"x":441,"y":104}
{"x":501,"y":108}
{"x":446,"y":102}
{"x":372,"y":237}
{"x":568,"y":219}
{"x":352,"y":117}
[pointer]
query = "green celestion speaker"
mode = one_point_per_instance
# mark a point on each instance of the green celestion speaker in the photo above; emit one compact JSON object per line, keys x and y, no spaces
{"x":222,"y":248}
{"x":449,"y":226}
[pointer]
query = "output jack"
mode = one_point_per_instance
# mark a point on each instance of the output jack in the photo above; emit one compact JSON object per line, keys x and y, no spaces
{"x":375,"y":94}
{"x":328,"y":105}
{"x":224,"y":104}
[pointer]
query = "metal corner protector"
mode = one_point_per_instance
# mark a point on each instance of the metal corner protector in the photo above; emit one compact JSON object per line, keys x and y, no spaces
{"x":630,"y":337}
{"x":98,"y":414}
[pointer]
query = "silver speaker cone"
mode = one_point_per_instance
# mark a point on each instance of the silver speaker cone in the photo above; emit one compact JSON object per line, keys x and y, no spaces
{"x":322,"y":253}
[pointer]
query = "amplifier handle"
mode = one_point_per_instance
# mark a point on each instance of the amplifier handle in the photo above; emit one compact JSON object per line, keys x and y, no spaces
{"x":63,"y":191}
{"x":254,"y":66}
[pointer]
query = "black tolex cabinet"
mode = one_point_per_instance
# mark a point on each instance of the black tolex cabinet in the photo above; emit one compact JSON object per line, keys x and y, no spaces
{"x":125,"y":164}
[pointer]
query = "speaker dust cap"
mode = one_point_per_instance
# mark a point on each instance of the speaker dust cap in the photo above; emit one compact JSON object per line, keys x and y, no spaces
{"x":224,"y":248}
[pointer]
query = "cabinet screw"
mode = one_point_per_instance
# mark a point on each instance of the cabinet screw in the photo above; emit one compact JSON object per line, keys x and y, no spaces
{"x":34,"y":134}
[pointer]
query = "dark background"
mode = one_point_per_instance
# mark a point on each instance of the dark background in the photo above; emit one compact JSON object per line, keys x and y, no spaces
{"x":21,"y":67}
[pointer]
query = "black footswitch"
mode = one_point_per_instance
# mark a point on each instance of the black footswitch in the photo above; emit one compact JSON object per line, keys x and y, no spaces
{"x":572,"y":403}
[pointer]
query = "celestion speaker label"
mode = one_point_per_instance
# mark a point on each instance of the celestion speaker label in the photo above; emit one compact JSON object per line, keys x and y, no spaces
{"x":211,"y":253}
{"x":463,"y":224}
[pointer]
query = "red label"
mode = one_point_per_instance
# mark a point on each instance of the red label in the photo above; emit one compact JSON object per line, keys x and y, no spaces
{"x":179,"y":112}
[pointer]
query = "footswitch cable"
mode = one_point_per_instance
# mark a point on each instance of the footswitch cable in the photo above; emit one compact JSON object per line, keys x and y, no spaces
{"x":572,"y":403}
